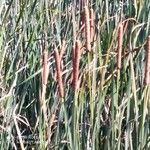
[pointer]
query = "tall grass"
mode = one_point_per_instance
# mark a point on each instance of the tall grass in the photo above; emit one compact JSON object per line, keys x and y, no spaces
{"x":74,"y":74}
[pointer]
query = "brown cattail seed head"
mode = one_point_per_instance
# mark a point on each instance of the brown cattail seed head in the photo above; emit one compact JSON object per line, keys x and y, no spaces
{"x":76,"y":62}
{"x":87,"y":28}
{"x":120,"y":42}
{"x":147,"y":65}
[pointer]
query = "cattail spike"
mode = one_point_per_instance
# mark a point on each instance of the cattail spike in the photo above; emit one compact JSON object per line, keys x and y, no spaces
{"x":76,"y":62}
{"x":120,"y":42}
{"x":147,"y":65}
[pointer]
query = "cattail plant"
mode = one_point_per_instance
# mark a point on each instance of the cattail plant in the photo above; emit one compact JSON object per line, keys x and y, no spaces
{"x":147,"y":65}
{"x":45,"y":72}
{"x":87,"y":28}
{"x":76,"y":62}
{"x":59,"y":73}
{"x":120,"y":42}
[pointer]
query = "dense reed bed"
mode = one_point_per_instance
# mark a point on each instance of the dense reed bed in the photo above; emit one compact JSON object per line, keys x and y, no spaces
{"x":75,"y":75}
